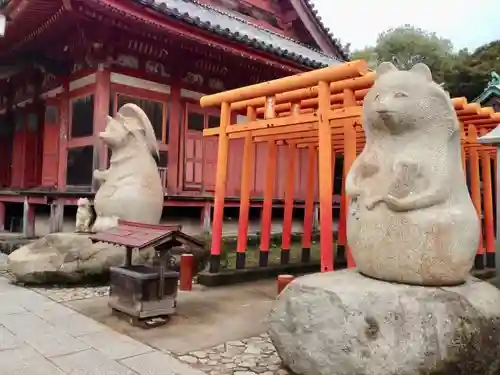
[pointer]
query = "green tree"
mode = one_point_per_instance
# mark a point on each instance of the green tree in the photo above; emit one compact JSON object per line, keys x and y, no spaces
{"x":471,"y":71}
{"x":406,"y":46}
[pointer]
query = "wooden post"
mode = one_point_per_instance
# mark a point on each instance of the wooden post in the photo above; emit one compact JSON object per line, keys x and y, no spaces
{"x":286,"y":239}
{"x":309,"y":204}
{"x":349,"y":157}
{"x":56,"y":220}
{"x":283,"y":281}
{"x":28,"y":219}
{"x":174,"y":130}
{"x":476,"y":191}
{"x":2,"y":216}
{"x":206,"y":214}
{"x":267,"y":205}
{"x":101,"y":112}
{"x":64,"y":118}
{"x":246,"y":182}
{"x":489,"y":229}
{"x":220,"y":189}
{"x":186,"y":272}
{"x":462,"y":147}
{"x":325,"y":178}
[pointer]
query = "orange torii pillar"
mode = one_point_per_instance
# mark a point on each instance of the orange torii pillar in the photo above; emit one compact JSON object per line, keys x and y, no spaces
{"x":286,"y":237}
{"x":309,"y":204}
{"x":349,"y":157}
{"x":220,"y":189}
{"x":267,"y":205}
{"x":325,"y":178}
{"x":475,"y":188}
{"x":489,"y":229}
{"x":495,"y":182}
{"x":246,"y":181}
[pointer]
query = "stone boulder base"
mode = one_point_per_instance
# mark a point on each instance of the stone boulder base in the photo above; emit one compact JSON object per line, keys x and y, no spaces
{"x":342,"y":323}
{"x":68,"y":257}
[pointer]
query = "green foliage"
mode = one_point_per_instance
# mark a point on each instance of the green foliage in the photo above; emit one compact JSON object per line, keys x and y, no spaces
{"x":462,"y":73}
{"x":472,"y":71}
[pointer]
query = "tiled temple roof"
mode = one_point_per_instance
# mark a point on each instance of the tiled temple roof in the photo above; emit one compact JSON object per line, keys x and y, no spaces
{"x":231,"y":26}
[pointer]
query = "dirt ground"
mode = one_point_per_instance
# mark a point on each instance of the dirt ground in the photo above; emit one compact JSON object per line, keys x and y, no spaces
{"x":206,"y":317}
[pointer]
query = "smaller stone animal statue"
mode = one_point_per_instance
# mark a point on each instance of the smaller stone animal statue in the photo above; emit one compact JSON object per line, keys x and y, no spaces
{"x":84,"y":215}
{"x":131,"y":187}
{"x":411,"y":217}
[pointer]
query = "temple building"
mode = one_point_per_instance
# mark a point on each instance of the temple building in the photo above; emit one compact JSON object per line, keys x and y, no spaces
{"x":490,"y":97}
{"x":65,"y":65}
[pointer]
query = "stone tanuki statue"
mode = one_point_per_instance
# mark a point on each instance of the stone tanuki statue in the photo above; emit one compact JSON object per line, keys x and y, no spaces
{"x":84,"y":215}
{"x":413,"y":229}
{"x":411,"y":218}
{"x":131,"y":188}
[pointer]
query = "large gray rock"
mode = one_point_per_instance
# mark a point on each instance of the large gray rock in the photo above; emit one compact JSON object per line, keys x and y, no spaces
{"x":343,"y":323}
{"x":68,"y":257}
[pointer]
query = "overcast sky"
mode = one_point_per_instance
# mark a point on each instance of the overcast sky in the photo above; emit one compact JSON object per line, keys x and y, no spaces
{"x":466,"y":23}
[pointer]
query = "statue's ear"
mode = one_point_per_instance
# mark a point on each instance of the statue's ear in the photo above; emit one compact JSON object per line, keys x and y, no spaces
{"x":422,"y":70}
{"x":384,"y":68}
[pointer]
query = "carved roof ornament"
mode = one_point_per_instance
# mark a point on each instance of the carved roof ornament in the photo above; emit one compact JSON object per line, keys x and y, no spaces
{"x":495,"y":79}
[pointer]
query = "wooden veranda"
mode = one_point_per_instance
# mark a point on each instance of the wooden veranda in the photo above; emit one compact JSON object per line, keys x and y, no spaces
{"x":321,"y":111}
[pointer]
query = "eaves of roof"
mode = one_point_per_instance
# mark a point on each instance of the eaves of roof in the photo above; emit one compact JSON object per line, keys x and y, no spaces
{"x":229,"y":25}
{"x":325,"y":29}
{"x":486,"y":94}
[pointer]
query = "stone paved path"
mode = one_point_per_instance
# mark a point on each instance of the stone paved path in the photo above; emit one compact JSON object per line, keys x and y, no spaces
{"x":39,"y":336}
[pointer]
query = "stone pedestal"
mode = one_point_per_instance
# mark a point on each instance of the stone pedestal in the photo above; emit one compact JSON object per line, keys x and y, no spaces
{"x":343,"y":323}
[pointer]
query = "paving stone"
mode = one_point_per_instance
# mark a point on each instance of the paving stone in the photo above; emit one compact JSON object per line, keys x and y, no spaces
{"x":90,"y":362}
{"x":8,"y":340}
{"x":55,"y":344}
{"x":9,"y":307}
{"x":26,"y":361}
{"x":52,"y":311}
{"x":77,"y":325}
{"x":24,"y":297}
{"x":26,"y":324}
{"x":114,"y":344}
{"x":156,"y":363}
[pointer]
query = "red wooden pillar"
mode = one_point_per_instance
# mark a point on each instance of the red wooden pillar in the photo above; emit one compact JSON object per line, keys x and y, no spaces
{"x":489,"y":226}
{"x":2,"y":216}
{"x":220,"y":189}
{"x":246,"y":181}
{"x":101,"y":112}
{"x":174,"y":159}
{"x":64,"y":120}
{"x":476,"y":190}
{"x":267,"y":205}
{"x":309,"y":204}
{"x":286,"y":239}
{"x":325,"y":178}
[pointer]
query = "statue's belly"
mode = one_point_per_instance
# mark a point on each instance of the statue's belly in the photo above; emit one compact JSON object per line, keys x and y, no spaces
{"x":434,"y":246}
{"x":131,"y":199}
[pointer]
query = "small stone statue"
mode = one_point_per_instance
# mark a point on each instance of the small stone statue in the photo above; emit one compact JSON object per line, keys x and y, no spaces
{"x":411,"y":217}
{"x":84,"y":215}
{"x":131,"y":187}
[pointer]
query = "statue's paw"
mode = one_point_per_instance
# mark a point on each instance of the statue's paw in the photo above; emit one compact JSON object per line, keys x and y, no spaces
{"x":370,"y":203}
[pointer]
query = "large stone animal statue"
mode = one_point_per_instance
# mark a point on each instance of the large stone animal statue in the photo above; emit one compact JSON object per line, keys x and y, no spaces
{"x":131,"y":188}
{"x":411,"y":217}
